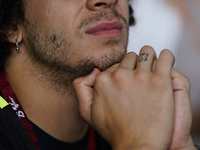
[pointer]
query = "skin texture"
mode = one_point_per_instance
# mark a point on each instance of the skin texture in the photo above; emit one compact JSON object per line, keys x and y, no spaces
{"x":55,"y":48}
{"x":65,"y":47}
{"x":149,"y":110}
{"x":134,"y":94}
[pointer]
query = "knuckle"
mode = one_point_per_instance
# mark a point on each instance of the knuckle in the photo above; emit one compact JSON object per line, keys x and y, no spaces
{"x":148,"y":49}
{"x":142,"y":75}
{"x":120,"y":74}
{"x":101,"y":79}
{"x":76,"y":82}
{"x":159,"y":81}
{"x":167,"y":53}
{"x":131,"y":54}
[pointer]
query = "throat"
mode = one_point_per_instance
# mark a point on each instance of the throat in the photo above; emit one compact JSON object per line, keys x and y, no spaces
{"x":50,"y":106}
{"x":49,"y":142}
{"x":58,"y":117}
{"x":53,"y":111}
{"x":68,"y":134}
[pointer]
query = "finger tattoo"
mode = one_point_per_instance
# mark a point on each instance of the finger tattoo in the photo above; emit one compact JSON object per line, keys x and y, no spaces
{"x":143,"y":57}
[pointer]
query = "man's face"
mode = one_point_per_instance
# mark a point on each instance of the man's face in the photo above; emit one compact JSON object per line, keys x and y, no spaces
{"x":74,"y":36}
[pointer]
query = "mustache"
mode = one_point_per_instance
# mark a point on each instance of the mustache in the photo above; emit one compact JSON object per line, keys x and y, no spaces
{"x":102,"y":16}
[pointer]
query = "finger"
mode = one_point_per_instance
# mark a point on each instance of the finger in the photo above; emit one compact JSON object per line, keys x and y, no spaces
{"x":165,"y":63}
{"x":180,"y":81}
{"x":145,"y":59}
{"x":183,"y":112}
{"x":84,"y":91}
{"x":112,"y":68}
{"x":129,"y":61}
{"x":154,"y":65}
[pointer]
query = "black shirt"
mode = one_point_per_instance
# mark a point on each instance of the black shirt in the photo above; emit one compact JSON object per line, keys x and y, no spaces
{"x":13,"y":136}
{"x":48,"y":142}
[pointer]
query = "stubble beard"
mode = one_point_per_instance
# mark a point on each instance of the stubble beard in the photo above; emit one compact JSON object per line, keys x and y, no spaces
{"x":46,"y":48}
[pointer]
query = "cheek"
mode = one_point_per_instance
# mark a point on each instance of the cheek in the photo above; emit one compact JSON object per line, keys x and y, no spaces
{"x":36,"y":12}
{"x":49,"y":13}
{"x":124,"y":8}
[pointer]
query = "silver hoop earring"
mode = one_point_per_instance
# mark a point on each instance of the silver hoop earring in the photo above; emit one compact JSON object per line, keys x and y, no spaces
{"x":17,"y":46}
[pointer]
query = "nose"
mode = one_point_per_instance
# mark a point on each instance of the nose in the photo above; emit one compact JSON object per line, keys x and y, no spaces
{"x":96,"y":5}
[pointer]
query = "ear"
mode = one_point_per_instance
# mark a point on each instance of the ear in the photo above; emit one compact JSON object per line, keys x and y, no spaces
{"x":15,"y":36}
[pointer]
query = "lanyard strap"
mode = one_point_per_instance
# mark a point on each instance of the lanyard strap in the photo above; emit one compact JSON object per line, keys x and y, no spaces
{"x":91,"y":141}
{"x":11,"y":98}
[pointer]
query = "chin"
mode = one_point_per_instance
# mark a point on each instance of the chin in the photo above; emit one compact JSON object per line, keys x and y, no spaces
{"x":107,"y":60}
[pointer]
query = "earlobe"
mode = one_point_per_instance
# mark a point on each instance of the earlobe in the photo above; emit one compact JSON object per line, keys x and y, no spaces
{"x":15,"y":37}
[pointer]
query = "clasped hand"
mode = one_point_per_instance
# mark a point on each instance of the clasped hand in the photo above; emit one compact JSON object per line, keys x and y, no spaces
{"x":140,"y":103}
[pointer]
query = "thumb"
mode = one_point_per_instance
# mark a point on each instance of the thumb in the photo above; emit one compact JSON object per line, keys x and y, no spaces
{"x":181,"y":90}
{"x":180,"y":82}
{"x":183,"y":112}
{"x":84,"y":91}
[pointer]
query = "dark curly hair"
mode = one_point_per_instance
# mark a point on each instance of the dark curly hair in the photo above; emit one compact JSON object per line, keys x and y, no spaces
{"x":11,"y":15}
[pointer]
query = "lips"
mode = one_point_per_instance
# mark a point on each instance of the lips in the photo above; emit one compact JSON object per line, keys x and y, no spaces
{"x":106,"y":29}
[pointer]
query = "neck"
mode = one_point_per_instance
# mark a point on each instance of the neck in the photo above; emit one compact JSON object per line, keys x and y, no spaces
{"x":53,"y":111}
